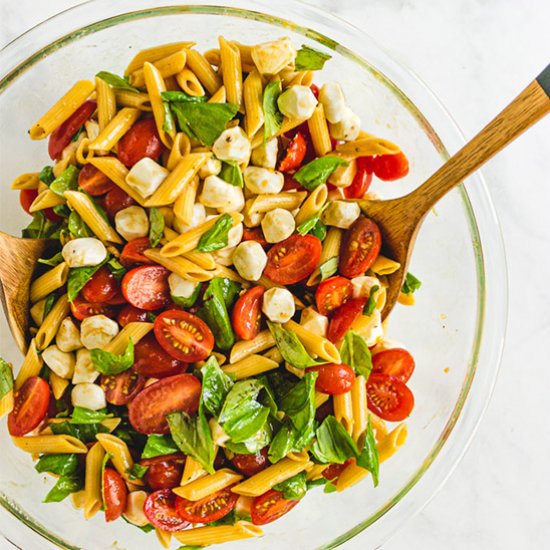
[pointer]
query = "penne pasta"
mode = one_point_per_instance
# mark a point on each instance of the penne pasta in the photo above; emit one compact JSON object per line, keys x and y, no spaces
{"x":192,"y":470}
{"x":244,"y":348}
{"x":184,"y":205}
{"x":32,"y":364}
{"x":318,"y":129}
{"x":180,"y":148}
{"x":315,"y":344}
{"x":47,"y":331}
{"x":287,"y":125}
{"x":187,"y":80}
{"x":205,"y":536}
{"x":207,"y":485}
{"x":181,"y":266}
{"x":253,"y":103}
{"x":286,"y":199}
{"x":360,"y":412}
{"x":119,"y":455}
{"x":46,"y":199}
{"x":115,"y":129}
{"x":204,"y":71}
{"x":58,"y":385}
{"x":252,"y":365}
{"x":167,"y":66}
{"x":116,"y":172}
{"x":135,"y":330}
{"x":151,"y":55}
{"x":51,"y":280}
{"x":384,"y":266}
{"x":321,"y":398}
{"x":343,"y":410}
{"x":219,"y":96}
{"x":230,"y":59}
{"x":106,"y":103}
{"x":365,"y":147}
{"x":92,"y":481}
{"x":312,"y":205}
{"x":139,"y":101}
{"x":50,"y":444}
{"x":331,"y":249}
{"x":204,"y":260}
{"x":26,"y":181}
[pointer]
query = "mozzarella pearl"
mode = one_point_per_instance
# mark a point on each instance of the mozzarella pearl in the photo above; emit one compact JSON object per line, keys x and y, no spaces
{"x":278,"y":305}
{"x":271,"y":57}
{"x":181,"y":287}
{"x":278,"y":225}
{"x":341,"y":214}
{"x":68,"y":336}
{"x":250,"y":260}
{"x":60,"y":362}
{"x":212,"y":167}
{"x":84,"y":252}
{"x":199,"y":215}
{"x":84,"y":369}
{"x":314,"y":321}
{"x":89,"y":396}
{"x":266,"y":155}
{"x":362,"y":286}
{"x":347,"y":128}
{"x":132,"y":223}
{"x":333,"y":100}
{"x":370,"y":328}
{"x":145,"y":176}
{"x":297,"y":102}
{"x":235,"y":235}
{"x":261,"y":180}
{"x":97,"y":331}
{"x":232,"y":145}
{"x":217,"y":193}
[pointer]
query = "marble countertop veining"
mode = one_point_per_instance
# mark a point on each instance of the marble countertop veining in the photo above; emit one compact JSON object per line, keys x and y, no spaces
{"x":475,"y":55}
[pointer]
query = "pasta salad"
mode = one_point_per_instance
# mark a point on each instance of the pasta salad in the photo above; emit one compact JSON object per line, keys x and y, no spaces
{"x":207,"y":342}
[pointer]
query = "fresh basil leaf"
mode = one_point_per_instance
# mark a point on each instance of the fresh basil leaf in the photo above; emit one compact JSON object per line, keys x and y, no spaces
{"x":317,"y":171}
{"x":46,"y":175}
{"x":64,"y":486}
{"x":371,"y":302}
{"x":78,"y":133}
{"x":411,"y":284}
{"x":330,"y":487}
{"x":156,"y":226}
{"x":62,"y":409}
{"x":217,"y":236}
{"x":151,"y":316}
{"x":137,"y":471}
{"x":328,"y":268}
{"x":172,"y":96}
{"x":97,"y":206}
{"x":215,"y":386}
{"x":66,"y":181}
{"x":282,"y":443}
{"x":368,"y":458}
{"x":168,"y":124}
{"x":315,"y":483}
{"x":159,"y":445}
{"x":111,"y":363}
{"x":273,"y":118}
{"x":41,"y":228}
{"x":333,"y":445}
{"x":85,"y":432}
{"x":116,"y":267}
{"x":355,"y":353}
{"x":309,"y":224}
{"x":319,"y":230}
{"x":281,"y":382}
{"x":189,"y":547}
{"x":191,"y":300}
{"x":147,"y":528}
{"x":6,"y":378}
{"x":77,"y":227}
{"x":82,"y":415}
{"x":62,"y":210}
{"x":78,"y":277}
{"x":294,"y":488}
{"x":231,"y":173}
{"x":309,"y":59}
{"x":228,"y":519}
{"x":48,"y":304}
{"x":59,"y":464}
{"x":291,"y":348}
{"x":253,"y":444}
{"x":268,"y":397}
{"x":118,"y":82}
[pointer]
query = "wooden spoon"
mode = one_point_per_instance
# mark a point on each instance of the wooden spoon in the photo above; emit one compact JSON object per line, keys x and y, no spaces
{"x":400,"y":219}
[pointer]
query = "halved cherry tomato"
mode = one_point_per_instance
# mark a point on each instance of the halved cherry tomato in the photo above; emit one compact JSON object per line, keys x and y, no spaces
{"x":254,"y":234}
{"x":62,"y":135}
{"x":251,"y":464}
{"x":332,"y":293}
{"x":160,"y":509}
{"x":81,"y":309}
{"x":116,"y":200}
{"x":334,"y":470}
{"x":246,"y":313}
{"x":391,"y":167}
{"x":93,"y":181}
{"x":131,"y":314}
{"x":344,"y":317}
{"x":146,"y":287}
{"x":315,"y":90}
{"x":102,"y":287}
{"x":290,"y":184}
{"x":163,"y":472}
{"x":209,"y":508}
{"x":183,"y":335}
{"x":132,"y":253}
{"x":269,"y":507}
{"x":115,"y":494}
{"x":31,"y":402}
{"x":362,"y":179}
{"x":295,"y":153}
{"x":293,"y":259}
{"x":360,"y":247}
{"x":333,"y":379}
{"x":142,"y":140}
{"x":388,"y":397}
{"x":148,"y":409}
{"x":396,"y":361}
{"x":121,"y":388}
{"x":151,"y":361}
{"x":26,"y":198}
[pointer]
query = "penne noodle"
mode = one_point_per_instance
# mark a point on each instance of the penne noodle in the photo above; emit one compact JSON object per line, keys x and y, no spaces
{"x":92,"y":481}
{"x":252,"y":365}
{"x":288,"y":200}
{"x":205,"y":536}
{"x":167,"y":66}
{"x":316,"y":472}
{"x":47,"y":331}
{"x":116,"y":172}
{"x":115,"y":129}
{"x":331,"y":249}
{"x":312,"y":205}
{"x":360,"y":412}
{"x":318,"y":129}
{"x":204,"y":72}
{"x":119,"y":455}
{"x":253,"y":103}
{"x":32,"y":364}
{"x":151,"y":55}
{"x":244,"y":348}
{"x":181,"y":266}
{"x":180,"y":148}
{"x":365,"y":147}
{"x":219,"y":96}
{"x":46,"y":199}
{"x":139,"y":101}
{"x":230,"y":58}
{"x":315,"y":344}
{"x":287,"y":125}
{"x":205,"y":260}
{"x":50,"y":444}
{"x":343,"y":410}
{"x":106,"y":103}
{"x":58,"y":385}
{"x":135,"y":330}
{"x":192,"y":470}
{"x":227,"y":273}
{"x":321,"y":398}
{"x":184,"y":205}
{"x":384,"y":266}
{"x":51,"y":280}
{"x":187,"y":80}
{"x":207,"y":485}
{"x":26,"y":181}
{"x":406,"y":299}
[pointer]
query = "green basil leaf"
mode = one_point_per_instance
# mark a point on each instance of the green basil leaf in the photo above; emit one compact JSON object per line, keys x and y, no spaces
{"x":147,"y":528}
{"x":118,"y":82}
{"x":309,"y":59}
{"x":82,"y":415}
{"x":273,"y":118}
{"x":190,"y":301}
{"x":41,"y":228}
{"x":6,"y":378}
{"x":333,"y":445}
{"x":411,"y":284}
{"x":231,"y":173}
{"x":189,"y":547}
{"x":111,"y":363}
{"x":77,"y":227}
{"x":137,"y":471}
{"x":78,"y":133}
{"x":85,"y":432}
{"x":156,"y":226}
{"x":46,"y":175}
{"x":319,"y":230}
{"x":228,"y":519}
{"x":48,"y":304}
{"x":328,"y":268}
{"x":66,"y":181}
{"x":172,"y":96}
{"x":64,"y":486}
{"x":355,"y":353}
{"x":330,"y":487}
{"x":59,"y":464}
{"x":368,"y":458}
{"x":159,"y":445}
{"x":291,"y":348}
{"x":315,"y":483}
{"x":116,"y":267}
{"x":294,"y":488}
{"x":217,"y":236}
{"x":371,"y":302}
{"x":168,"y":125}
{"x":215,"y":386}
{"x":62,"y":210}
{"x":317,"y":171}
{"x":78,"y":277}
{"x":253,"y":444}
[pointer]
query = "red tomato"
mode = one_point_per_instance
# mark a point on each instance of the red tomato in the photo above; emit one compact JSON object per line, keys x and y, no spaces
{"x":291,"y":184}
{"x":146,"y":287}
{"x":102,"y":287}
{"x":142,"y":140}
{"x":121,"y":388}
{"x":360,"y":247}
{"x":388,"y":397}
{"x":183,"y":335}
{"x":295,"y":153}
{"x":81,"y":309}
{"x":251,"y":464}
{"x":391,"y":167}
{"x":362,"y":179}
{"x":315,"y":90}
{"x":344,"y":317}
{"x":333,"y":379}
{"x":293,"y":259}
{"x":62,"y":135}
{"x":254,"y":234}
{"x":148,"y":409}
{"x":115,"y":494}
{"x":160,"y":510}
{"x":332,"y":293}
{"x":247,"y":313}
{"x":334,"y":470}
{"x":397,"y":361}
{"x":93,"y":181}
{"x":209,"y":508}
{"x":131,"y":314}
{"x":132,"y":253}
{"x":116,"y":200}
{"x":26,"y":198}
{"x":31,"y":402}
{"x":269,"y":507}
{"x":164,"y":472}
{"x":151,"y":361}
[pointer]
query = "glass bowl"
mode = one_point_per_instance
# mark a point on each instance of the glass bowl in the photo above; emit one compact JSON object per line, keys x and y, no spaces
{"x":455,"y":331}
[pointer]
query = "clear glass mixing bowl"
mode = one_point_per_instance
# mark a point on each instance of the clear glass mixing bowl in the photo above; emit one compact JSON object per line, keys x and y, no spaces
{"x":455,"y":331}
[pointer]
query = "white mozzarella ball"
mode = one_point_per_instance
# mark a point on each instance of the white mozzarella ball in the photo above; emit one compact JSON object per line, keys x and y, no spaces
{"x":278,"y":225}
{"x":363,"y":285}
{"x":132,"y":223}
{"x":224,"y":256}
{"x":385,"y":343}
{"x":314,"y":321}
{"x":369,"y":327}
{"x":84,"y":369}
{"x":181,"y":287}
{"x":265,"y":155}
{"x":212,"y":167}
{"x":60,"y":362}
{"x":343,"y":175}
{"x":217,"y":193}
{"x":97,"y":331}
{"x":261,"y":180}
{"x":347,"y":128}
{"x":333,"y":100}
{"x":235,"y":235}
{"x":232,"y":145}
{"x":68,"y":336}
{"x":297,"y":102}
{"x":272,"y":57}
{"x":251,"y":219}
{"x":145,"y":176}
{"x":250,"y":260}
{"x":199,"y":216}
{"x":84,"y":252}
{"x":278,"y":305}
{"x":341,"y":214}
{"x":89,"y":396}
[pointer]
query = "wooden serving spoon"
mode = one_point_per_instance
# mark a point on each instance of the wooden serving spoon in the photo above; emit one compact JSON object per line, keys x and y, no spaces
{"x":400,"y":219}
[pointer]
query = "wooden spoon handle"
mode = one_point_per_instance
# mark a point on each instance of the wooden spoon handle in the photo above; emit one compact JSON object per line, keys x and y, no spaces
{"x":528,"y":107}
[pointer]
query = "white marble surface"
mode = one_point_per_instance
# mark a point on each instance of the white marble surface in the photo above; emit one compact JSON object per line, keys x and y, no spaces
{"x":475,"y":55}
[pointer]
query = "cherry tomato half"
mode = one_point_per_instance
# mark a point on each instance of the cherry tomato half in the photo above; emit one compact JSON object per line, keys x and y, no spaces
{"x":315,"y":90}
{"x":290,"y":184}
{"x":102,"y":287}
{"x":183,"y":335}
{"x":81,"y":309}
{"x":251,"y":464}
{"x":26,"y":198}
{"x":116,"y":200}
{"x":360,"y":247}
{"x":334,"y":470}
{"x":269,"y":507}
{"x":332,"y":293}
{"x":152,"y":361}
{"x":148,"y":409}
{"x":131,"y":314}
{"x":93,"y":181}
{"x":132,"y":253}
{"x":254,"y":234}
{"x":396,"y":361}
{"x":31,"y":402}
{"x":146,"y":287}
{"x":209,"y":508}
{"x":115,"y":494}
{"x":121,"y":388}
{"x":293,"y":259}
{"x":163,"y":472}
{"x":388,"y":397}
{"x":362,"y":180}
{"x":344,"y":317}
{"x":246,"y":313}
{"x":160,"y":509}
{"x":391,"y":167}
{"x":333,"y":379}
{"x":295,"y":153}
{"x":142,"y":140}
